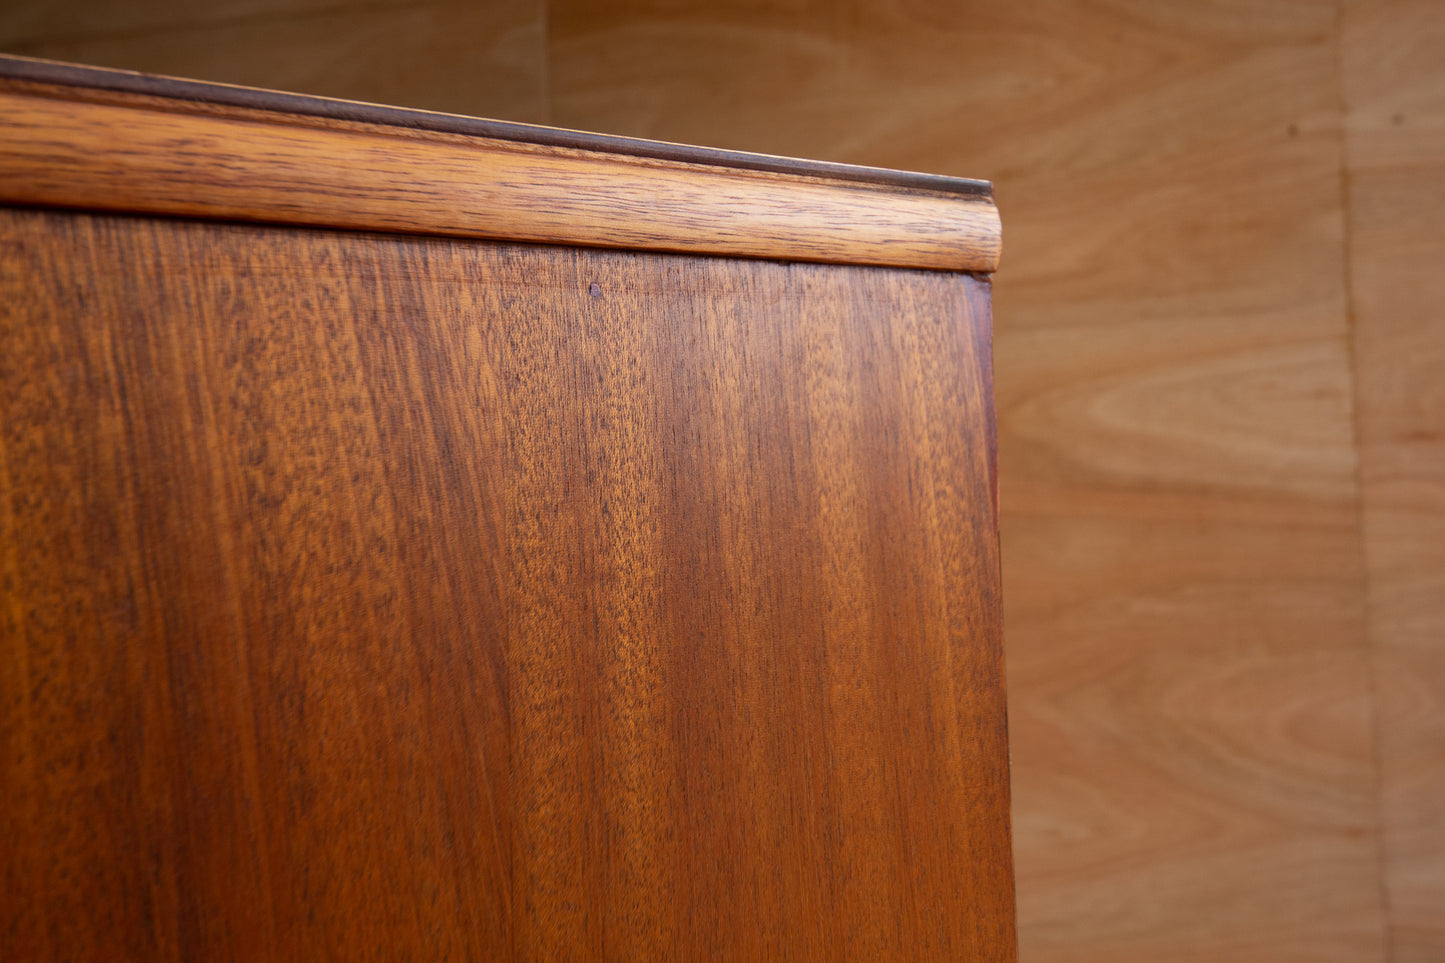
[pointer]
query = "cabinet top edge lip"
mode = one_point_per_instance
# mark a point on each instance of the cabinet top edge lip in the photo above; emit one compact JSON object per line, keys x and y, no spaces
{"x":61,"y":74}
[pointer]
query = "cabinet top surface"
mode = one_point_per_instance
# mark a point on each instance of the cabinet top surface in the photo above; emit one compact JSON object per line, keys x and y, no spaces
{"x":88,"y":137}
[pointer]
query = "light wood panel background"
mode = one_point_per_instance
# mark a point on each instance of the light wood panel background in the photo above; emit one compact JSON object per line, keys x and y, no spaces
{"x":1222,"y":432}
{"x":1394,"y":85}
{"x":485,"y":58}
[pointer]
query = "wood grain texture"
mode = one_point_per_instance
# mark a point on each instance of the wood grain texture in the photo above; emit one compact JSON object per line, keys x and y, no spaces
{"x":1394,"y":80}
{"x":134,"y":88}
{"x":60,"y":147}
{"x":1189,"y":683}
{"x":373,"y":597}
{"x":480,"y":58}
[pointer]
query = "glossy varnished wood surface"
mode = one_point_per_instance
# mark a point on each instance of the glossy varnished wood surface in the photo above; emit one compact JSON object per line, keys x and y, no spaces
{"x":1393,"y":57}
{"x":376,"y":598}
{"x":1176,"y":380}
{"x":74,"y":146}
{"x":1189,"y":684}
{"x":134,"y":87}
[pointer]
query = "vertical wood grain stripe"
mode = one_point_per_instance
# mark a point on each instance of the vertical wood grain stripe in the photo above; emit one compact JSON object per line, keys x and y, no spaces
{"x":61,"y":152}
{"x":384,"y":597}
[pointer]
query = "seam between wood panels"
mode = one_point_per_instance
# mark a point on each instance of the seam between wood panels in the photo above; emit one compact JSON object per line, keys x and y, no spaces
{"x":1352,"y":324}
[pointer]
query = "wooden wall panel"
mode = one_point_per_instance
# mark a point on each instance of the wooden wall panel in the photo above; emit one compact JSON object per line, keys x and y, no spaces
{"x":485,"y":59}
{"x":387,"y":598}
{"x":1175,"y":382}
{"x":1394,"y":75}
{"x":1189,"y":681}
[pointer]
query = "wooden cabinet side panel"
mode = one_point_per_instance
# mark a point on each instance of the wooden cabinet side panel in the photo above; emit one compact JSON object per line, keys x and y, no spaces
{"x":373,"y":597}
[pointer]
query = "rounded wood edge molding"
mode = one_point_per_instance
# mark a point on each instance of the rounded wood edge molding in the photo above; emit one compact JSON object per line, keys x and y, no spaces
{"x":133,"y":82}
{"x":118,"y":141}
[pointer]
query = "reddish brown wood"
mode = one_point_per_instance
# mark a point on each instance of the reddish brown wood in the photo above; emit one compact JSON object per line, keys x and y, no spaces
{"x":66,"y":146}
{"x":381,"y":598}
{"x":122,"y":86}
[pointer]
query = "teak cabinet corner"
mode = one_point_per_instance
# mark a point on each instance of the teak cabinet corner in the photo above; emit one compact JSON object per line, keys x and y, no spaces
{"x":433,"y":538}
